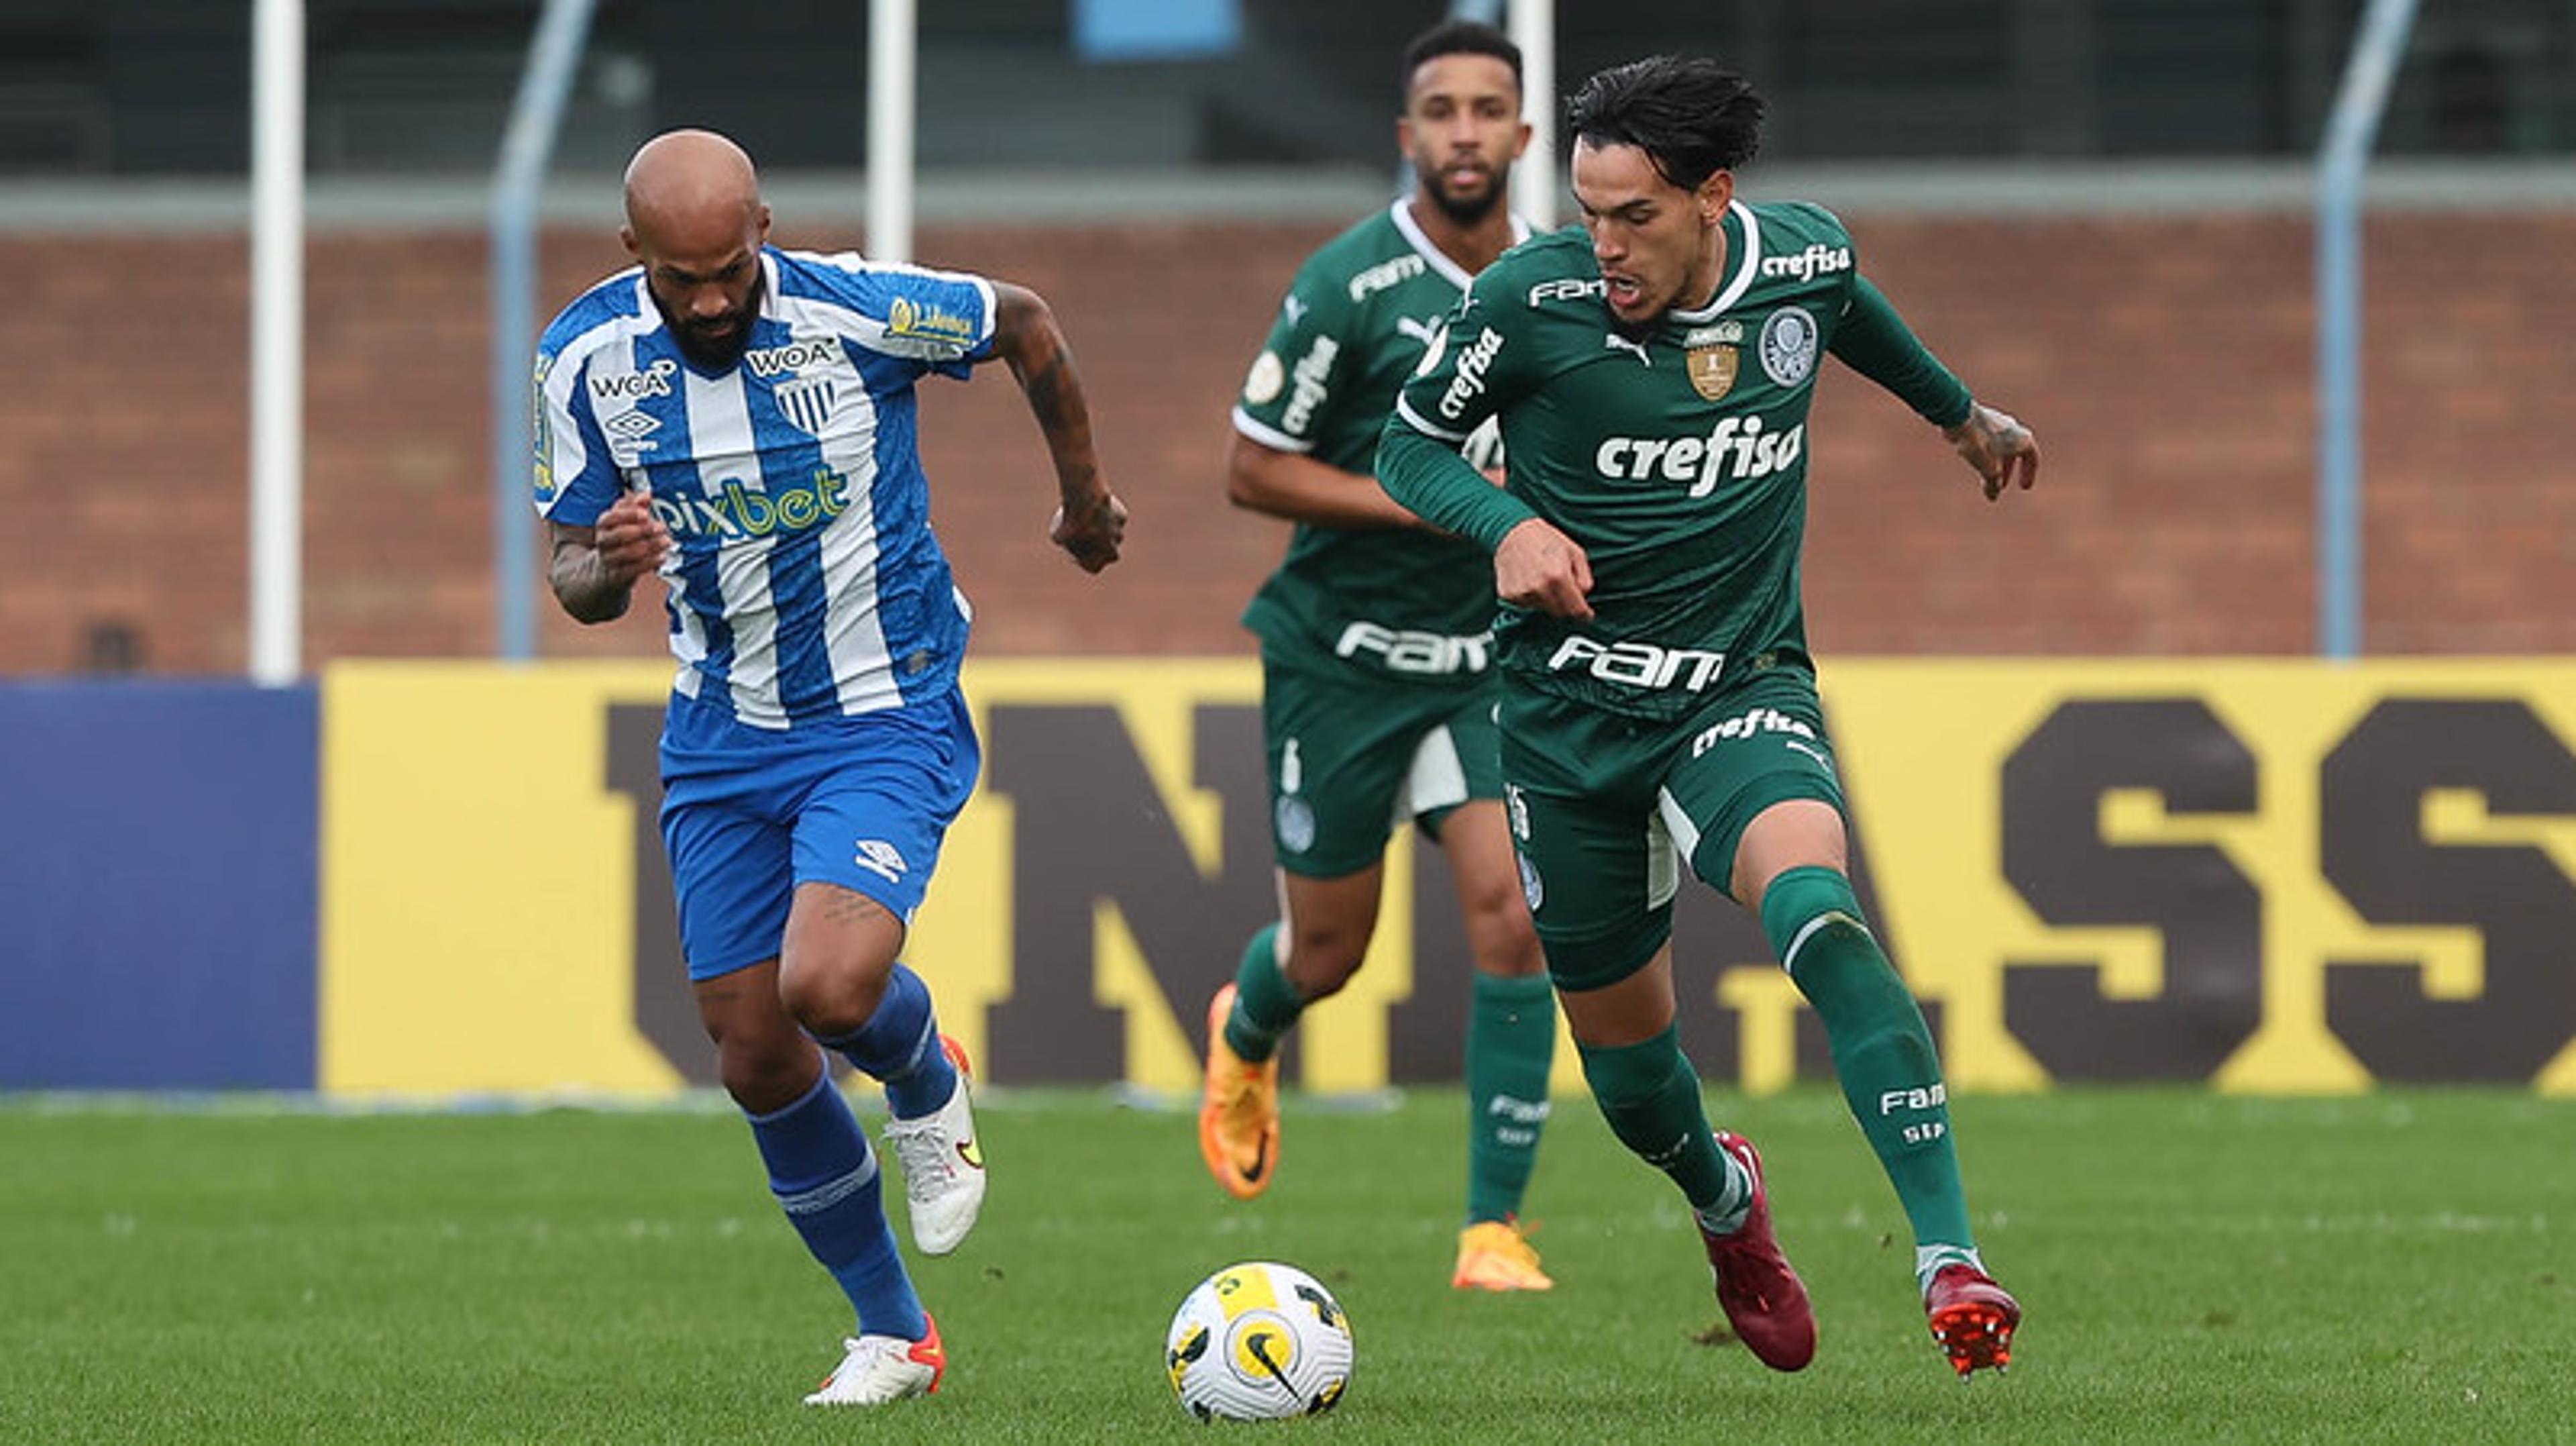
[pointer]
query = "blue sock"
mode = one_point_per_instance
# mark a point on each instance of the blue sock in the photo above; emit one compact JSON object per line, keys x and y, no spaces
{"x":899,"y":1048}
{"x":826,"y":1179}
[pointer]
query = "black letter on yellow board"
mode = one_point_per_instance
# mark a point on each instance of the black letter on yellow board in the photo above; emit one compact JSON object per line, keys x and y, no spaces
{"x":2374,"y":851}
{"x":2210,"y":914}
{"x":1090,"y":829}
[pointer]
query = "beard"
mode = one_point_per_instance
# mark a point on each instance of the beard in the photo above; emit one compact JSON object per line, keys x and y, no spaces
{"x":709,"y":344}
{"x":1469,"y":208}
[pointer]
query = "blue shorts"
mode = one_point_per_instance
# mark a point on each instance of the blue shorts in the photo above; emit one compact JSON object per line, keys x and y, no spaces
{"x":748,"y":814}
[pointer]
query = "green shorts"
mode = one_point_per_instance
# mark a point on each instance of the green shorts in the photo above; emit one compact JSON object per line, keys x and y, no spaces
{"x":1605,"y":809}
{"x":1351,"y":757}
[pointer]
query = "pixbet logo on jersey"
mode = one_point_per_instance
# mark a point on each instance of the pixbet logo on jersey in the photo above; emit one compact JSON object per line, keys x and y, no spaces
{"x":732,"y":512}
{"x":1703,"y":462}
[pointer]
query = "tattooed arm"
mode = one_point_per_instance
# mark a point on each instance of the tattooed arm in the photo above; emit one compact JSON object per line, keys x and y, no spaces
{"x":1090,"y":521}
{"x":593,"y":569}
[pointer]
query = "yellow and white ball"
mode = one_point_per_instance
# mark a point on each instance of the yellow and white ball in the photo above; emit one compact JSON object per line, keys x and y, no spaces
{"x":1258,"y":1342}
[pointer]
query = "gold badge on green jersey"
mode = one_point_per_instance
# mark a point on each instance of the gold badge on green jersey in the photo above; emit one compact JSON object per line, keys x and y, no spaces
{"x":1712,"y":371}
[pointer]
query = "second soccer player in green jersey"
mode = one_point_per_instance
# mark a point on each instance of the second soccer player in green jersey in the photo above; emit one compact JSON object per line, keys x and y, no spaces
{"x":1652,"y":375}
{"x":1377,"y":659}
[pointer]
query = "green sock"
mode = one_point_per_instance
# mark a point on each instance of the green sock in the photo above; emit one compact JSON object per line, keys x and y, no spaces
{"x":1266,"y":1005}
{"x":1650,"y":1095}
{"x":1883,"y":1053}
{"x":1511,"y":1039}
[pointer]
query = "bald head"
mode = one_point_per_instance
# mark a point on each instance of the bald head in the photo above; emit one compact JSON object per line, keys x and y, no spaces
{"x":691,"y":191}
{"x":694,"y":218}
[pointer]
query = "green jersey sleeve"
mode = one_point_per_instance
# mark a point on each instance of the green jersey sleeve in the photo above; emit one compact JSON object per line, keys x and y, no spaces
{"x":1875,"y":342}
{"x":1468,"y":375}
{"x":1290,"y":391}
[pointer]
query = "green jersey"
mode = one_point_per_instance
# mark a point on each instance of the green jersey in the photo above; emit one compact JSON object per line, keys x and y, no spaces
{"x":1676,"y":458}
{"x":1404,"y":604}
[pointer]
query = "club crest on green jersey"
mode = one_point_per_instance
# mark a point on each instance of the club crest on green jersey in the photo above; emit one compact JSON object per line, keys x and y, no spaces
{"x":1789,"y":346}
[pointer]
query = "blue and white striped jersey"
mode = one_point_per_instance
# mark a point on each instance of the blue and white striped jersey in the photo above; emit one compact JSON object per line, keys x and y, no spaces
{"x":806,"y":583}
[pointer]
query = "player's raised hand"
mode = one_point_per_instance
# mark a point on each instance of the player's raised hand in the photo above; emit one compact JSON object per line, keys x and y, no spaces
{"x":2001,"y":450}
{"x":1542,"y":568}
{"x":630,"y":539}
{"x":1090,"y":529}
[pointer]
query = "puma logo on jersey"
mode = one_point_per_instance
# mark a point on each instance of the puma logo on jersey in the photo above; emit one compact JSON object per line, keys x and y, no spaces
{"x":1737,"y":448}
{"x":1421,"y":331}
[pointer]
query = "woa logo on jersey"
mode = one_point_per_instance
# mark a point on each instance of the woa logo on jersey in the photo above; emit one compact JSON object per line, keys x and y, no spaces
{"x":731,"y":511}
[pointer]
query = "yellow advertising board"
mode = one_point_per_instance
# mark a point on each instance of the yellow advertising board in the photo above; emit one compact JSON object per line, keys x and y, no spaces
{"x":2260,"y":875}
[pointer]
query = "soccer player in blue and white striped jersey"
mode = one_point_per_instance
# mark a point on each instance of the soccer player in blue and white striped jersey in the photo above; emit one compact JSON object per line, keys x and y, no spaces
{"x":741,"y":419}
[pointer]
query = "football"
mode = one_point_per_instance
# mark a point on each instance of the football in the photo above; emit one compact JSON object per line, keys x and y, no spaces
{"x":1258,"y":1342}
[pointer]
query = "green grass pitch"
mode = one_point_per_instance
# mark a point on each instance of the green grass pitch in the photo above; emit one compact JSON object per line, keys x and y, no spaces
{"x":2396,"y":1267}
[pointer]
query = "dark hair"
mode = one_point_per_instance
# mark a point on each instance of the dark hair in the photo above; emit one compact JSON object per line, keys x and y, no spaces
{"x":1691,"y":116}
{"x":1460,"y":37}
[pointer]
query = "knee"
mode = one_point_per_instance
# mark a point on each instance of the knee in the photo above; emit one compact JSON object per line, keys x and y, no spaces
{"x":1322,"y":960}
{"x":1499,"y":927}
{"x":767,"y":1071}
{"x":833,"y":999}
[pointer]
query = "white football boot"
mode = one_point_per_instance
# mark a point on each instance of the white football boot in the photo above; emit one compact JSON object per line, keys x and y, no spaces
{"x":943,"y":1166}
{"x":878,"y":1369}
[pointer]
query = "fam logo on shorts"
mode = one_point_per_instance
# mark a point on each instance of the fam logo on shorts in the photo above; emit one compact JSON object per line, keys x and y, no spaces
{"x":882,"y":859}
{"x":1789,"y":346}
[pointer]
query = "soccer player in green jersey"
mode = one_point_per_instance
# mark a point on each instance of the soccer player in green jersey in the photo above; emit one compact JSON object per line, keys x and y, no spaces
{"x":1652,"y":374}
{"x":1376,"y":654}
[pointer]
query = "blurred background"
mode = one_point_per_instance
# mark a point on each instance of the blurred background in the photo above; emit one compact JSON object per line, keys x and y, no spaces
{"x":2102,"y":213}
{"x":2097,"y":210}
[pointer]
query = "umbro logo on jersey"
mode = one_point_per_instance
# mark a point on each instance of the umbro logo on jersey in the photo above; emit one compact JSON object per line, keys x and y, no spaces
{"x":628,"y":425}
{"x":880,"y":858}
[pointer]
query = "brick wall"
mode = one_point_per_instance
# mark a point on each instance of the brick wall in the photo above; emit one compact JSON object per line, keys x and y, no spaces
{"x":2166,"y":365}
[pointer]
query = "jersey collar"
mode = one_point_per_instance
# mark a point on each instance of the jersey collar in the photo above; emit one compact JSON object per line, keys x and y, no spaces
{"x":1402,"y":214}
